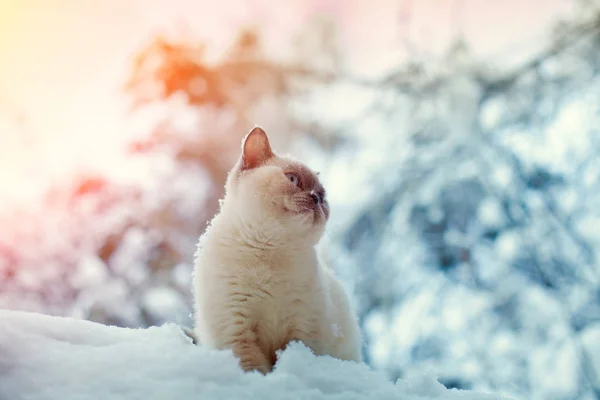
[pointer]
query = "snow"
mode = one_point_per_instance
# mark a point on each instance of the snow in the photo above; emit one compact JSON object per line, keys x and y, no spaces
{"x":44,"y":357}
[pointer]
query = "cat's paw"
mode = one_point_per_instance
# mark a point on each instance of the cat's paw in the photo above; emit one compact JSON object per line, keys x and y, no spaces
{"x":256,"y":363}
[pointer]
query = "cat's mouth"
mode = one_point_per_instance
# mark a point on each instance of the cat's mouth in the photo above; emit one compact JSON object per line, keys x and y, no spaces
{"x":318,"y":212}
{"x":315,"y":212}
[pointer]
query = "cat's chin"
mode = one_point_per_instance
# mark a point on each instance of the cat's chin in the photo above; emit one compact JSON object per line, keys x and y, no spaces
{"x":307,"y":218}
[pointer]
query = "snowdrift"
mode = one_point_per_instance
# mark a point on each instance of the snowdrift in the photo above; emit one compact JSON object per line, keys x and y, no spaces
{"x":44,"y":357}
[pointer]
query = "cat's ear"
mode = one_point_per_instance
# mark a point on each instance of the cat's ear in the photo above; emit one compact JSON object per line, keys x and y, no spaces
{"x":256,"y":149}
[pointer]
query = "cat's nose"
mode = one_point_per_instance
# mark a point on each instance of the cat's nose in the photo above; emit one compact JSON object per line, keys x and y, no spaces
{"x":315,"y":196}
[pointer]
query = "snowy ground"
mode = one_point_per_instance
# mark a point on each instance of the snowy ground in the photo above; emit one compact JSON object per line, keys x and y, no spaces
{"x":43,"y":357}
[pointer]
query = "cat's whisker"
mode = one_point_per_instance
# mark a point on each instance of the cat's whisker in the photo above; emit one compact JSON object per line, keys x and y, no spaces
{"x":327,"y":236}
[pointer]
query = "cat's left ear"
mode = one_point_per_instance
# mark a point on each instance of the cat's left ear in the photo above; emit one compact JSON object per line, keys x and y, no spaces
{"x":256,"y":149}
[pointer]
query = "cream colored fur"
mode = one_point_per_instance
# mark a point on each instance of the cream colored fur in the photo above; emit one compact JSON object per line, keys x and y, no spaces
{"x":258,"y":282}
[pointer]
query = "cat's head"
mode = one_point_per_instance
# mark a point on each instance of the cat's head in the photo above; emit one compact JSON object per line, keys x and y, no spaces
{"x":277,"y":192}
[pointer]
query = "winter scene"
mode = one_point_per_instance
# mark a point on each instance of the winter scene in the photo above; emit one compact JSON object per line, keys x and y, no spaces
{"x":309,"y":199}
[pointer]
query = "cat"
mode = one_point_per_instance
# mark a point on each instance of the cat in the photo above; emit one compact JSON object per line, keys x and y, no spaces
{"x":258,"y":283}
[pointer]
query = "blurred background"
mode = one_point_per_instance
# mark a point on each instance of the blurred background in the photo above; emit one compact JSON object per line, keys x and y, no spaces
{"x":458,"y":141}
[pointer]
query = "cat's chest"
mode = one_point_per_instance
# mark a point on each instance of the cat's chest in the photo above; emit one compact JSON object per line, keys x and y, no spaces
{"x":278,"y":295}
{"x":271,"y":284}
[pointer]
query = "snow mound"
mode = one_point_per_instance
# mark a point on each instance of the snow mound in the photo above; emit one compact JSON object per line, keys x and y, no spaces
{"x":44,"y":357}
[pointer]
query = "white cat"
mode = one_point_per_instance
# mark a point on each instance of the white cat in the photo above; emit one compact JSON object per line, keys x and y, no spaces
{"x":257,"y":281}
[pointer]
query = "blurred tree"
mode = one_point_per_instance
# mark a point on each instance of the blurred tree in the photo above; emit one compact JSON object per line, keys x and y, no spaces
{"x":246,"y":85}
{"x":125,"y":248}
{"x":475,"y":249}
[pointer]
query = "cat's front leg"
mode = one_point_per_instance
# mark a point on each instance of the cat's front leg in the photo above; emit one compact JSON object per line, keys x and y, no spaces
{"x":251,"y":355}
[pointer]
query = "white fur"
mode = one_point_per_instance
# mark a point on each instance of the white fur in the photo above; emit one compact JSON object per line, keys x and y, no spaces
{"x":259,"y":284}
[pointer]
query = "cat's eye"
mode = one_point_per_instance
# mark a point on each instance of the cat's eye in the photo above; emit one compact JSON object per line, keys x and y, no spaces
{"x":293,"y":178}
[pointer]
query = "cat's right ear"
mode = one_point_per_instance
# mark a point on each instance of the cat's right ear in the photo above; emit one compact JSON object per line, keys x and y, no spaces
{"x":256,"y":149}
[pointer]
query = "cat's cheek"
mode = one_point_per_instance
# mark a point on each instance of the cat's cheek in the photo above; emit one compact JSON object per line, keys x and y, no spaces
{"x":288,"y":204}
